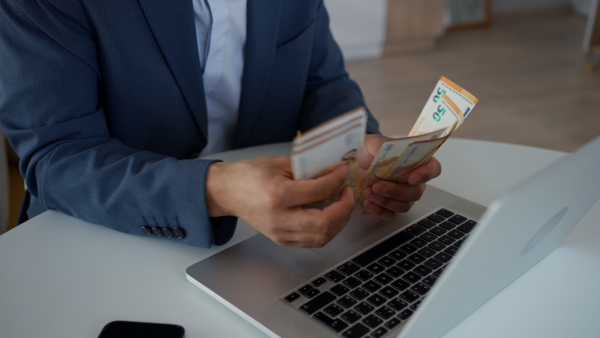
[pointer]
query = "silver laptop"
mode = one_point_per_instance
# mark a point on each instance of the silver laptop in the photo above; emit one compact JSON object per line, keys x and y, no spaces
{"x":417,"y":276}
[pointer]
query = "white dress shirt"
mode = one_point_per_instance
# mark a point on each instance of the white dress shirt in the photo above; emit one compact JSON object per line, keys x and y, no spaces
{"x":221,"y":35}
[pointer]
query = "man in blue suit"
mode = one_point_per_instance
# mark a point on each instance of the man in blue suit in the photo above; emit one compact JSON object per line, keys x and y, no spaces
{"x":109,"y":103}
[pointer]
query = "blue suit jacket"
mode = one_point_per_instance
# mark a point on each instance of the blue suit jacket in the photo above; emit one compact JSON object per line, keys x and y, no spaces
{"x":103,"y":102}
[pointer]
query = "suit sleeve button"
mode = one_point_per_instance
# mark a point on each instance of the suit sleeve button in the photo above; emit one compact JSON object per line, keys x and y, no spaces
{"x":179,"y":233}
{"x":156,"y":231}
{"x":146,"y":230}
{"x":167,"y":232}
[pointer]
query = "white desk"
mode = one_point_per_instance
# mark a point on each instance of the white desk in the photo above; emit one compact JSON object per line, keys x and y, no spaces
{"x":62,"y":277}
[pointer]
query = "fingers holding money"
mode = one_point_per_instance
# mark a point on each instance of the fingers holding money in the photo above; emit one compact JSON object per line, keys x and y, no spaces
{"x":318,"y":189}
{"x":313,"y":228}
{"x":385,"y":199}
{"x":262,"y":192}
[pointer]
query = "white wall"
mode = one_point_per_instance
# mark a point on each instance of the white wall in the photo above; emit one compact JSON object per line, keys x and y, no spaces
{"x":499,"y":6}
{"x":358,"y":26}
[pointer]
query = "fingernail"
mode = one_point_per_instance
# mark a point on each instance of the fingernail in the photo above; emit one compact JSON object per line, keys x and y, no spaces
{"x":417,"y":179}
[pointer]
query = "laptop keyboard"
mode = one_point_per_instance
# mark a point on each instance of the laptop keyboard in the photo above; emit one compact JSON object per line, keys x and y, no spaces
{"x":380,"y":288}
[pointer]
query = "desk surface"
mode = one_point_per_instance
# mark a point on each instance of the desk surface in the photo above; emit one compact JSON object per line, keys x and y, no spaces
{"x":62,"y":277}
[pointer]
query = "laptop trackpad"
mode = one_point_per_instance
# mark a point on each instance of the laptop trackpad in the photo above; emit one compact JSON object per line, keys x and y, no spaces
{"x":358,"y":228}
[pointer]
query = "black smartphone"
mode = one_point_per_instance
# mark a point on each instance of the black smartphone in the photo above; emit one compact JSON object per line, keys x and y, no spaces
{"x":125,"y":329}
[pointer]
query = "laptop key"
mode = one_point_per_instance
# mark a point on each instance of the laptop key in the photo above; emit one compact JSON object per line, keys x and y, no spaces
{"x":292,"y":297}
{"x":385,"y":312}
{"x":364,"y":308}
{"x":364,"y":275}
{"x":415,"y":229}
{"x":416,"y":258}
{"x":356,"y":331}
{"x":384,"y":279}
{"x":408,"y":248}
{"x":444,"y":212}
{"x":377,"y":300}
{"x":420,"y":288}
{"x":334,"y":276}
{"x":351,"y":316}
{"x":439,"y":231}
{"x":359,"y":294}
{"x":380,"y":332}
{"x":382,"y":248}
{"x":394,"y":272}
{"x":400,"y":284}
{"x":348,"y":268}
{"x":437,"y":246}
{"x":467,"y":226}
{"x":415,"y":306}
{"x":451,"y":250}
{"x":448,"y":225}
{"x":351,"y":282}
{"x":427,"y":223}
{"x":398,"y":255}
{"x":372,"y":321}
{"x":339,"y":290}
{"x":318,"y":281}
{"x":375,"y":268}
{"x":422,"y":270}
{"x":346,"y":301}
{"x":405,"y":314}
{"x":429,"y":281}
{"x":456,"y":234}
{"x":334,"y":324}
{"x":333,"y":310}
{"x":317,"y":303}
{"x":308,"y":291}
{"x":457,"y":219}
{"x":389,"y":292}
{"x":371,"y":286}
{"x":429,"y":237}
{"x":443,"y":257}
{"x":418,"y":242}
{"x":436,"y":218}
{"x":406,"y":265}
{"x":433,"y":264}
{"x":410,"y":296}
{"x":446,"y":240}
{"x":427,"y":252}
{"x":386,"y":261}
{"x":392,"y":323}
{"x":398,"y":304}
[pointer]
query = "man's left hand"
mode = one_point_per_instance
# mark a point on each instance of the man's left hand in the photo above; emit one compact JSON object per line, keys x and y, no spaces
{"x":385,"y":199}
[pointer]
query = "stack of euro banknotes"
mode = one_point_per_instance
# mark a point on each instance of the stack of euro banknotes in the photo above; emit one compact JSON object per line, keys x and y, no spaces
{"x":319,"y":150}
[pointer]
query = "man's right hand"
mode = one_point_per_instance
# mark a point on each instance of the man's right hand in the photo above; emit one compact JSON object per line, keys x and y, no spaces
{"x":262,"y":192}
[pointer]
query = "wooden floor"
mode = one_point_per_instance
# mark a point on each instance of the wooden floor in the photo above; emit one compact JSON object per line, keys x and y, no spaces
{"x":526,"y":69}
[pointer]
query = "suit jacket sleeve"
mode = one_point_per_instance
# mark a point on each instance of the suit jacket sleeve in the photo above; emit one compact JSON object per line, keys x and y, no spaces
{"x":51,"y":110}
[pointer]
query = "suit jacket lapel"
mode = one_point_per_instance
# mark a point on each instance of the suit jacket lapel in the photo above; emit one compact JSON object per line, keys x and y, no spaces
{"x":172,"y":23}
{"x":261,"y":37}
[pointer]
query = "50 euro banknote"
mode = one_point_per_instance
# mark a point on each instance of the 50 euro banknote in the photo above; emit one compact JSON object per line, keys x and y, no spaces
{"x":445,"y":110}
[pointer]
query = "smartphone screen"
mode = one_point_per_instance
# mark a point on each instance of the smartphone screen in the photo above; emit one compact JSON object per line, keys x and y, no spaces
{"x":125,"y":329}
